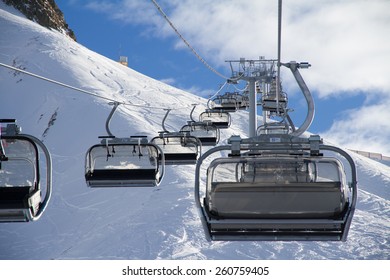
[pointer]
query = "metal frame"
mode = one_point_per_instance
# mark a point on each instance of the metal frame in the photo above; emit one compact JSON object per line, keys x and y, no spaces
{"x":32,"y":205}
{"x":176,"y":157}
{"x":274,"y":139}
{"x":210,"y":115}
{"x":125,"y":177}
{"x":193,"y":126}
{"x":232,"y":105}
{"x":211,"y":140}
{"x":321,"y":229}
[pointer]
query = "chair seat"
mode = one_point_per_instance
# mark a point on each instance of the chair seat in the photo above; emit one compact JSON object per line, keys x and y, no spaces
{"x":276,"y":200}
{"x":15,"y":197}
{"x":220,"y":124}
{"x":171,"y":157}
{"x":121,"y":174}
{"x":208,"y":141}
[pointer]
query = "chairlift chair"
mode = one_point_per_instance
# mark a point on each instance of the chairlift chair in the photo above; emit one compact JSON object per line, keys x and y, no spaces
{"x":229,"y":102}
{"x":218,"y":118}
{"x":22,"y":198}
{"x":271,"y":102}
{"x":274,"y":128}
{"x":124,"y":162}
{"x":178,"y":148}
{"x":276,"y":185}
{"x":243,"y":101}
{"x":206,"y":132}
{"x":276,"y":192}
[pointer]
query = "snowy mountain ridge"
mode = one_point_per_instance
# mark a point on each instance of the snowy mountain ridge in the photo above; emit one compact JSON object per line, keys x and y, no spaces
{"x":158,"y":223}
{"x":44,"y":12}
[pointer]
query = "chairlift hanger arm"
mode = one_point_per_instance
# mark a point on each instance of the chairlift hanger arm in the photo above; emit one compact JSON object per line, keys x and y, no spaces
{"x":294,"y":66}
{"x":192,"y":112}
{"x":163,"y":121}
{"x":116,"y":104}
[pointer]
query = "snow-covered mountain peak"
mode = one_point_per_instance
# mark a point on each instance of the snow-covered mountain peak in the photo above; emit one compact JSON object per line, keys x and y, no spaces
{"x":44,"y":12}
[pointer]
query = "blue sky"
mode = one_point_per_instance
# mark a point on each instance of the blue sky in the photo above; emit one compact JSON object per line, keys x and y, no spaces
{"x":346,"y":42}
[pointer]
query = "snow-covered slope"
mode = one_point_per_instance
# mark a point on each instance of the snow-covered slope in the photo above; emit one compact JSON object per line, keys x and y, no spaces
{"x":152,"y":223}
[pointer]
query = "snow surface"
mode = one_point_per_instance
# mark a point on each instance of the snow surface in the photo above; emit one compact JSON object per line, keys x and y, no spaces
{"x":134,"y":223}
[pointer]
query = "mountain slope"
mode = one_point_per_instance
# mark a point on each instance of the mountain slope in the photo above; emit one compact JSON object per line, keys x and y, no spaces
{"x":158,"y":223}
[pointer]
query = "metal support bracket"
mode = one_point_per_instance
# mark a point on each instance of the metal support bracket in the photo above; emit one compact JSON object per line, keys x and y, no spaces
{"x":116,"y":104}
{"x":235,"y":142}
{"x":315,"y":141}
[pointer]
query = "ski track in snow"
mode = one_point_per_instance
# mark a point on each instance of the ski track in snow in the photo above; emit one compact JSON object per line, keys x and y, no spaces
{"x":134,"y":223}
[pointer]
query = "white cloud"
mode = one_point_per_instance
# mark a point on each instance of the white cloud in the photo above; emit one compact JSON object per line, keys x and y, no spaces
{"x":206,"y":93}
{"x":169,"y":81}
{"x":366,"y":129}
{"x":130,"y":12}
{"x":346,"y":41}
{"x":347,"y":44}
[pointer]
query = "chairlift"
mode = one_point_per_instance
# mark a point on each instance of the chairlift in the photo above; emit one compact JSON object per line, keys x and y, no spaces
{"x":276,"y":185}
{"x":229,"y":102}
{"x":179,"y":148}
{"x":268,"y":191}
{"x":218,"y":118}
{"x":124,"y":162}
{"x":272,"y":101}
{"x":206,"y":132}
{"x":22,"y":198}
{"x":281,"y":127}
